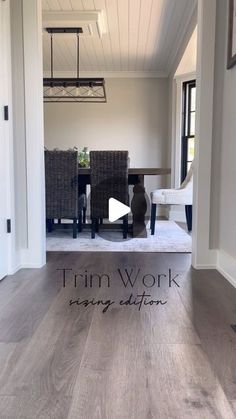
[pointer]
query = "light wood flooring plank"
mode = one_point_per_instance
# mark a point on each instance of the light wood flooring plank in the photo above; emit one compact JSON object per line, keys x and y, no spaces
{"x":136,"y":372}
{"x":52,"y":357}
{"x":233,"y":406}
{"x":47,"y":407}
{"x":172,"y":361}
{"x":210,"y":302}
{"x":130,"y":375}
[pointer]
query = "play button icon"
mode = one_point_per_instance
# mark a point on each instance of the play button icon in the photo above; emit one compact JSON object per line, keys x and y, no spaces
{"x":117,"y":210}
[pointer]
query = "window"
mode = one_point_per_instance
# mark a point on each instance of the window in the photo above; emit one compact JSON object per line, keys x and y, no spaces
{"x":188,"y":126}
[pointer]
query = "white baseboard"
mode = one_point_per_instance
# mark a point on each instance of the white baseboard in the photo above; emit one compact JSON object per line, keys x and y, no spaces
{"x":162,"y":211}
{"x":226,"y":265}
{"x":178,"y":216}
{"x":207,"y":260}
{"x":177,"y":213}
{"x":32,"y":266}
{"x":29,"y":260}
{"x":206,"y":266}
{"x":24,"y":265}
{"x":14,"y":269}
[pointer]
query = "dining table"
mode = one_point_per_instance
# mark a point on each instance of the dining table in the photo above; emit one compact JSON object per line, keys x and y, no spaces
{"x":139,"y":202}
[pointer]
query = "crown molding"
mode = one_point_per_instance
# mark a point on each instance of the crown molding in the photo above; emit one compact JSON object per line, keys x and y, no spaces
{"x":185,"y":76}
{"x":111,"y":74}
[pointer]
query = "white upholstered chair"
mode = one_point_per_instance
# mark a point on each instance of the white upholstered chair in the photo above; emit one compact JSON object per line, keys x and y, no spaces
{"x":181,"y":196}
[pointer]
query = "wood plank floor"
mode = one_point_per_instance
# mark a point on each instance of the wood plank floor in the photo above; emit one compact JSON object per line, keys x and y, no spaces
{"x":169,"y":360}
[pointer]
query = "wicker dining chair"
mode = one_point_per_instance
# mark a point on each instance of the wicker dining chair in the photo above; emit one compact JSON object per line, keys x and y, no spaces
{"x":109,"y":179}
{"x":61,"y":178}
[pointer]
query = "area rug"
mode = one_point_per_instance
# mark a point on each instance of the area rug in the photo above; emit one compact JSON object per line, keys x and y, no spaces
{"x":168,"y":238}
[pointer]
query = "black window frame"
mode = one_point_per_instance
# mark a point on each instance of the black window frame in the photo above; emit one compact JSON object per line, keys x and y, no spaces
{"x":186,"y":125}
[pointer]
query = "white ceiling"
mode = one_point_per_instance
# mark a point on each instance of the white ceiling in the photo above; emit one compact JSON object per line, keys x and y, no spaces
{"x":141,"y":36}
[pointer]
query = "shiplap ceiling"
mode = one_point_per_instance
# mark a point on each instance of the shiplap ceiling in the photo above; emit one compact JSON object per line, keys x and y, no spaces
{"x":142,"y":36}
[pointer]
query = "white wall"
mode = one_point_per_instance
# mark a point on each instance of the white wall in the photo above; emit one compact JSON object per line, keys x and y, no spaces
{"x":228,"y":167}
{"x":188,"y":63}
{"x":20,"y":178}
{"x":29,"y":191}
{"x":135,"y":118}
{"x":227,"y":221}
{"x":6,"y":161}
{"x":185,"y":71}
{"x":220,"y":71}
{"x":223,"y":192}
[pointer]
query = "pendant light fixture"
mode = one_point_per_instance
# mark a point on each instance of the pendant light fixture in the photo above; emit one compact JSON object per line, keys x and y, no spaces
{"x":71,"y":90}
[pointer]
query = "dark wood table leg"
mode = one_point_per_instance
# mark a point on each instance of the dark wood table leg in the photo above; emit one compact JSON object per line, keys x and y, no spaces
{"x":139,"y":208}
{"x":82,"y":183}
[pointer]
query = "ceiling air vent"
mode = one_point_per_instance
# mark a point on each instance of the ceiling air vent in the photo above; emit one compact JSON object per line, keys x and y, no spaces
{"x":91,"y":22}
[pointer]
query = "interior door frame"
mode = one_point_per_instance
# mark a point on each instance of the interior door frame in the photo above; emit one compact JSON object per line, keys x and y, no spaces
{"x":203,"y":257}
{"x":7,"y":146}
{"x":35,"y":254}
{"x":25,"y":24}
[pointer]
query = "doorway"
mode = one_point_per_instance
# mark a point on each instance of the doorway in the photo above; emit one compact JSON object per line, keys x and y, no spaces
{"x":34,"y":255}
